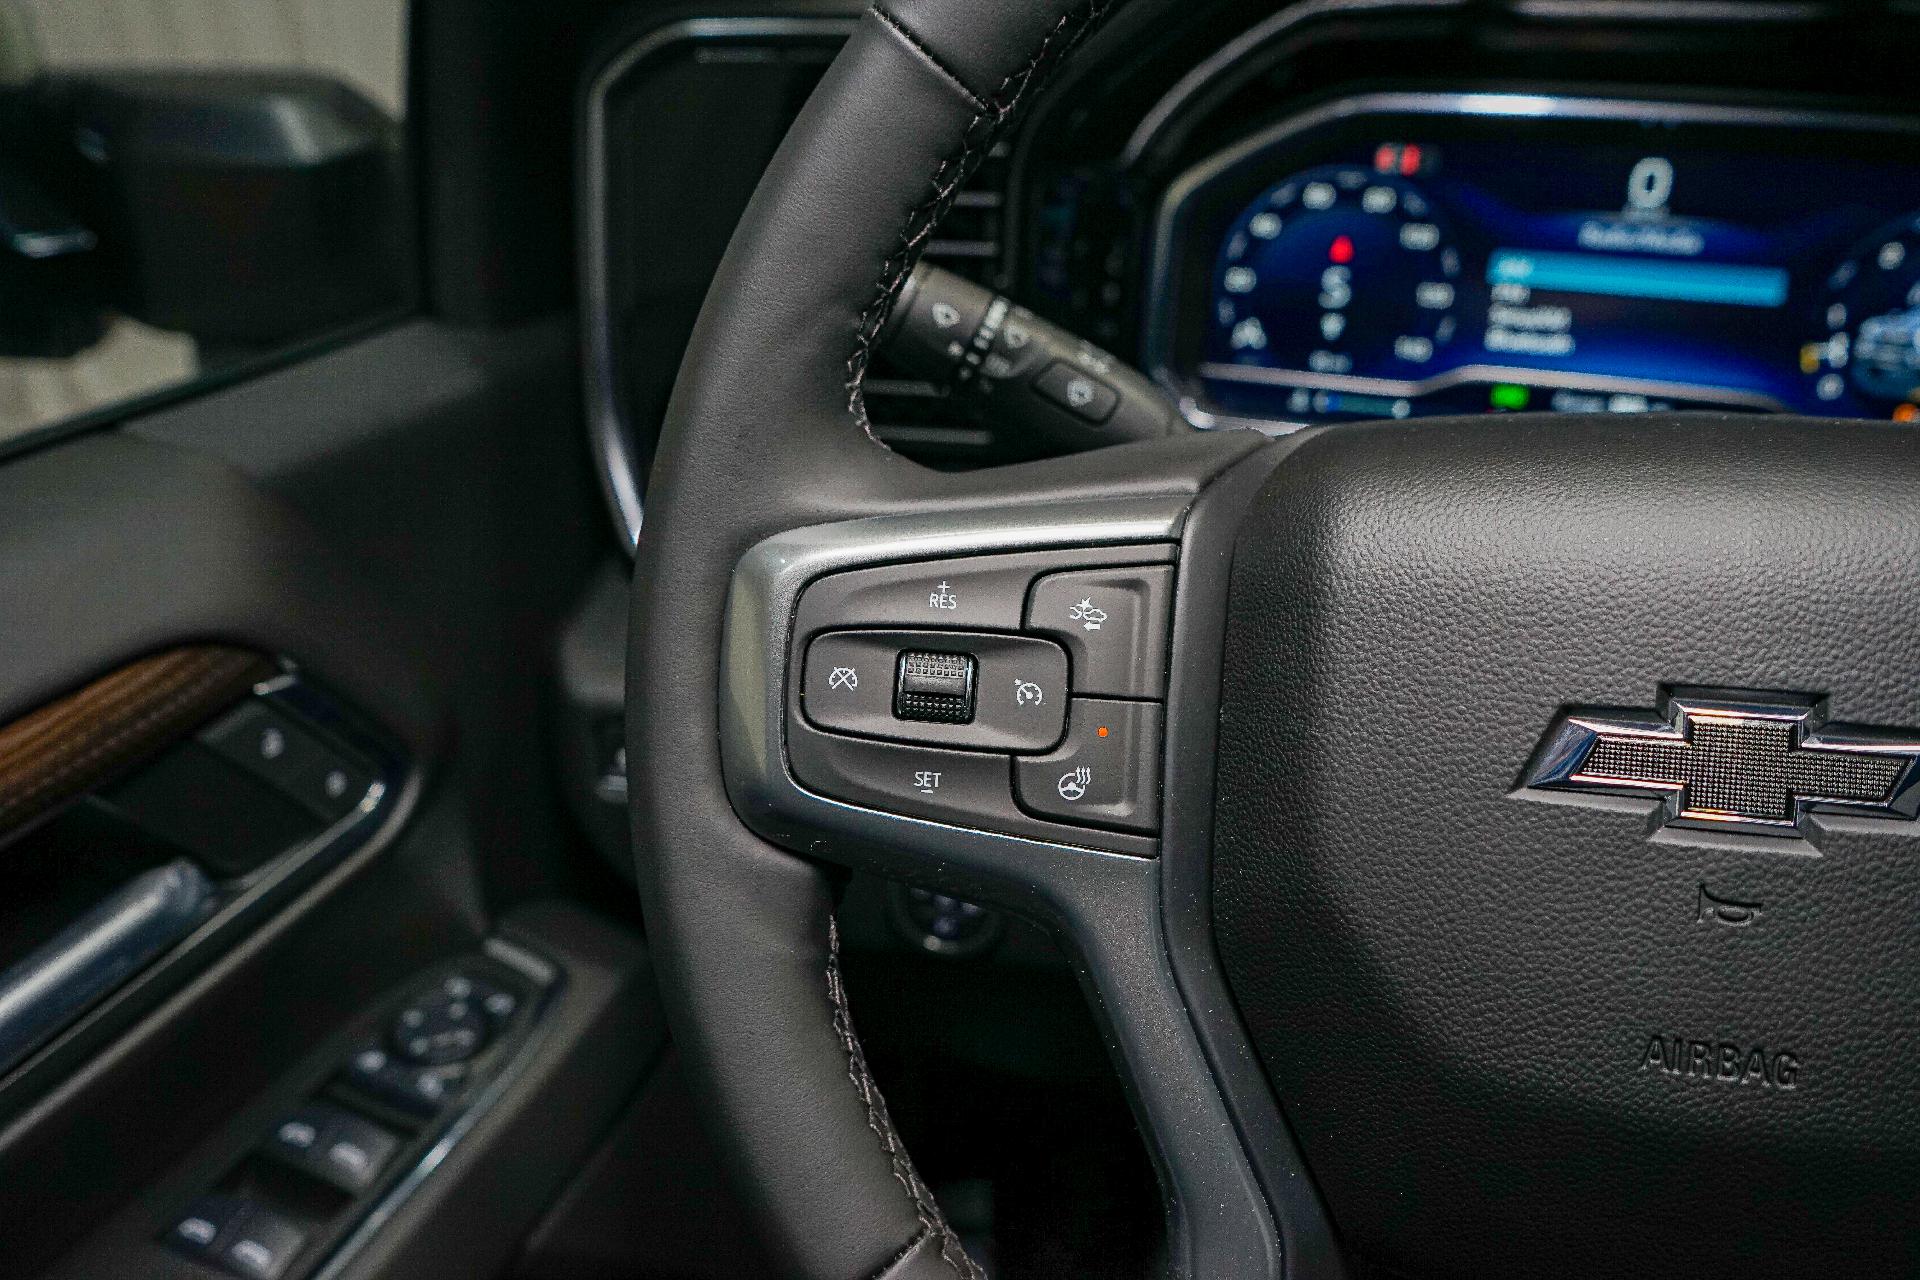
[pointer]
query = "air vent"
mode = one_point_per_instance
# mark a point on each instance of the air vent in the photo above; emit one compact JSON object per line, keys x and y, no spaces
{"x":970,"y":241}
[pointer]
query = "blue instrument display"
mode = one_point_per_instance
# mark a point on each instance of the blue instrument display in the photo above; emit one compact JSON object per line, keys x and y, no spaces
{"x":1516,"y":254}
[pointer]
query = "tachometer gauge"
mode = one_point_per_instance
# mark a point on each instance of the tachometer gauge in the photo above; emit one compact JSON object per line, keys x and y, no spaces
{"x":1867,"y":359}
{"x":1334,"y":270}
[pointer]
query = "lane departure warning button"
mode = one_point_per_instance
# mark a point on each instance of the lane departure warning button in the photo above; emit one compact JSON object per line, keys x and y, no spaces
{"x":1113,"y":623}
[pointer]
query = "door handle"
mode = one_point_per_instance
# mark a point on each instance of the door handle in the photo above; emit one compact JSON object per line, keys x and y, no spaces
{"x":118,"y":936}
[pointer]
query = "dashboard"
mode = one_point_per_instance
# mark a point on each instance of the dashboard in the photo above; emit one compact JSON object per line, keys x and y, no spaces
{"x":1403,"y":254}
{"x":1333,"y":210}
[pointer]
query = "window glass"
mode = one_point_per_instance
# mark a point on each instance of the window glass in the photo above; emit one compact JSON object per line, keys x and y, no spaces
{"x":190,"y":185}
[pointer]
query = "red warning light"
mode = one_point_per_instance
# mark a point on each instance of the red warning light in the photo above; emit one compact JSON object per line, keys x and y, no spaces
{"x":1341,"y":250}
{"x":1395,"y":157}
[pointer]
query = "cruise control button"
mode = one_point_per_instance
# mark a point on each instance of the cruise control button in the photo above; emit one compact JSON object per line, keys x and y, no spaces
{"x":1019,"y":694}
{"x":1106,"y":773}
{"x":1114,"y":624}
{"x":966,"y":788}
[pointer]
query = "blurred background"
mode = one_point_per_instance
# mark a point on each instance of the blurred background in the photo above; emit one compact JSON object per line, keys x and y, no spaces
{"x":96,"y":309}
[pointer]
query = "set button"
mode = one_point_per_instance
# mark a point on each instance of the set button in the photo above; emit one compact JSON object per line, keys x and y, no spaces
{"x":966,"y":788}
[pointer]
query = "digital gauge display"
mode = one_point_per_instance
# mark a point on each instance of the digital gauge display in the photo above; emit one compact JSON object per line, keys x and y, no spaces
{"x":1410,"y":255}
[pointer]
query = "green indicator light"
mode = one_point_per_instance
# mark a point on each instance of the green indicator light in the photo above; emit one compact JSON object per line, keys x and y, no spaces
{"x":1506,"y":395}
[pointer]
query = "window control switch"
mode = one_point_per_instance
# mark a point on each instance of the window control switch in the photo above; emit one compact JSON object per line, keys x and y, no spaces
{"x":334,"y":1145}
{"x":238,"y":1237}
{"x":262,"y":1245}
{"x":934,"y":687}
{"x":413,"y":1090}
{"x":199,"y":1230}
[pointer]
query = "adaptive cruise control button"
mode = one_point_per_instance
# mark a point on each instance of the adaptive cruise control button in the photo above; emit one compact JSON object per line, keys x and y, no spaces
{"x":1106,"y":773}
{"x":967,"y":788}
{"x":1114,"y":624}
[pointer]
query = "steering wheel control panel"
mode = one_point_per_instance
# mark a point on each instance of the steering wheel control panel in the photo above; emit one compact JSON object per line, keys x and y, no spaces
{"x":1020,"y":693}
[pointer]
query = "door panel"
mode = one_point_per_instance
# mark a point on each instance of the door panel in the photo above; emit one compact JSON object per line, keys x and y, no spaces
{"x":402,"y":523}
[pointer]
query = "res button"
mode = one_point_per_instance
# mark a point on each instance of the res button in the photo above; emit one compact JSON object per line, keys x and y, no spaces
{"x":981,"y":591}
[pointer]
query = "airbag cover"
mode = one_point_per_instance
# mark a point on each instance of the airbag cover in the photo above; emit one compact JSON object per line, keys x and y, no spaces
{"x":1500,"y":1022}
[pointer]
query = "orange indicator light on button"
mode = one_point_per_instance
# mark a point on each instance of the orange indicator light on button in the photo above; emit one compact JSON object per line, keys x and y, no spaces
{"x":1906,"y":413}
{"x":1102,"y":731}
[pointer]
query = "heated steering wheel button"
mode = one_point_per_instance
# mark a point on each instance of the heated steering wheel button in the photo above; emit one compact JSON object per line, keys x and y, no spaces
{"x":1113,"y":623}
{"x":1106,"y":773}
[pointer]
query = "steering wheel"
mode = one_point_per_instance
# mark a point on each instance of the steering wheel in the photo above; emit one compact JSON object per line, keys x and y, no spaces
{"x":1495,"y":837}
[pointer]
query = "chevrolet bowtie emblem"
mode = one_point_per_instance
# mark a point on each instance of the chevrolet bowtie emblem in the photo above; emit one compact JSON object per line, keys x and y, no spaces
{"x":1727,"y":762}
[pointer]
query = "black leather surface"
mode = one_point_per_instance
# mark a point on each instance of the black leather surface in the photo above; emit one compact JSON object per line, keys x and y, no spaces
{"x":1452,"y":987}
{"x":760,"y":437}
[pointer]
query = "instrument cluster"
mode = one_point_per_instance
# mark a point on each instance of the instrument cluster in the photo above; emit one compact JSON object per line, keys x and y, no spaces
{"x":1397,"y":255}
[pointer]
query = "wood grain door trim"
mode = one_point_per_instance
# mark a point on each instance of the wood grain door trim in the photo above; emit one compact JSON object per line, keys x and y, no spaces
{"x":82,"y":740}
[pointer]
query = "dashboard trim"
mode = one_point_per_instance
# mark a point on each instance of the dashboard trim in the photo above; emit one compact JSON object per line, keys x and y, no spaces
{"x":1470,"y":373}
{"x":1216,"y":64}
{"x":1158,"y":337}
{"x":615,"y":448}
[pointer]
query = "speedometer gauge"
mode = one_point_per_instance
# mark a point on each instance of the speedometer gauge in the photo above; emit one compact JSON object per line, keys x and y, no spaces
{"x":1296,"y":260}
{"x":1868,"y":357}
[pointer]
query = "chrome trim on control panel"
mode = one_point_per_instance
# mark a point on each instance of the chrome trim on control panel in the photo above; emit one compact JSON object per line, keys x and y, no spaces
{"x":1157,"y":344}
{"x":614,"y":445}
{"x":548,"y":982}
{"x":1108,"y":905}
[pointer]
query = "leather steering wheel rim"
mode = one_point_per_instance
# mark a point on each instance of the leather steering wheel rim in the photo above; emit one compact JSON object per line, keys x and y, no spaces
{"x":766,"y":431}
